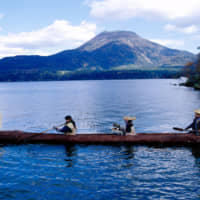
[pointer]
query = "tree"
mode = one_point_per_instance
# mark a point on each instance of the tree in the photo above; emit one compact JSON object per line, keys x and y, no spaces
{"x":192,"y":71}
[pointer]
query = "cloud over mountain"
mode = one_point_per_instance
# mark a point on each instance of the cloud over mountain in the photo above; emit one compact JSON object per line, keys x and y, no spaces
{"x":58,"y":35}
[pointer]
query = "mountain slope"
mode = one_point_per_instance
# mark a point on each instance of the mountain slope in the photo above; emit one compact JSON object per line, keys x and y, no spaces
{"x":107,"y":51}
{"x":144,"y":52}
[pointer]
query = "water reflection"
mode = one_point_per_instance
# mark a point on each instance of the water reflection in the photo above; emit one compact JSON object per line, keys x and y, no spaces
{"x":196,"y":151}
{"x":128,"y":152}
{"x":2,"y":150}
{"x":71,"y":154}
{"x":196,"y":154}
{"x":127,"y":156}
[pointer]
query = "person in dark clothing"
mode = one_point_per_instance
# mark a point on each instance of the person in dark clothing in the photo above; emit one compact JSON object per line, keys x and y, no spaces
{"x":69,"y":128}
{"x":195,"y":125}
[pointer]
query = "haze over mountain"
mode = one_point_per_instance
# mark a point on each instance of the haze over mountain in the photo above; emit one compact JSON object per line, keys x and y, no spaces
{"x":107,"y":51}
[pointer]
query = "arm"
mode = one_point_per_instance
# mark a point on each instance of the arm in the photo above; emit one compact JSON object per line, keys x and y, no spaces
{"x":133,"y":130}
{"x":190,"y":126}
{"x":65,"y":129}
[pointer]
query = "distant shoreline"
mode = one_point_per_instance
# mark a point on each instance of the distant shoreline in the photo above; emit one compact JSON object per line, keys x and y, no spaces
{"x":18,"y":76}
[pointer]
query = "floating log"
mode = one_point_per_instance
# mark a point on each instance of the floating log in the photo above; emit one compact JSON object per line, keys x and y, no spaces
{"x":160,"y":139}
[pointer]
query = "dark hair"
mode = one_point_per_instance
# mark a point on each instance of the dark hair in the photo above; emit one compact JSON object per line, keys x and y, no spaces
{"x":130,"y":122}
{"x":68,"y":117}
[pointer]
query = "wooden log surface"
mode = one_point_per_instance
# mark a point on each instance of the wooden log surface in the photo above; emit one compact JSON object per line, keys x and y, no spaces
{"x":161,"y":139}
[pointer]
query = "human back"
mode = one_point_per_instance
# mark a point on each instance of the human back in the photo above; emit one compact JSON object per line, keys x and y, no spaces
{"x":71,"y":125}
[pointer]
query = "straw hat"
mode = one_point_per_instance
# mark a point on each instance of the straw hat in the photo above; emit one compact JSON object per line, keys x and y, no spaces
{"x":197,"y":111}
{"x":129,"y":118}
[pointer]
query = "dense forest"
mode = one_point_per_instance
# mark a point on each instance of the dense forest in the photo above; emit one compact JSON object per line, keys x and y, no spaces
{"x":46,"y":75}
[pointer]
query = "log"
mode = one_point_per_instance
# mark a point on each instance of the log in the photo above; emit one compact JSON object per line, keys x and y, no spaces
{"x":158,"y":139}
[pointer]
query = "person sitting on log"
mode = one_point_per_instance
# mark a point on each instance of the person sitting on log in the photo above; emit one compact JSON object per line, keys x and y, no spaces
{"x":129,"y":126}
{"x":195,"y":125}
{"x":69,"y":128}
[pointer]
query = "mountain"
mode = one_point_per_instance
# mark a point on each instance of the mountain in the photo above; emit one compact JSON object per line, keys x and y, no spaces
{"x":131,"y":49}
{"x":107,"y":51}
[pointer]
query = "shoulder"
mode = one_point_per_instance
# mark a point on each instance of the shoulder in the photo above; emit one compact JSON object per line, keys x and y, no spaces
{"x":70,"y":125}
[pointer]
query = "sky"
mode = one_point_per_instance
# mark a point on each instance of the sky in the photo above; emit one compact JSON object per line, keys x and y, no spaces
{"x":46,"y":27}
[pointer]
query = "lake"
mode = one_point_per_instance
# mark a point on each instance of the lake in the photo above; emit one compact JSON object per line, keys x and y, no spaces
{"x":98,"y":172}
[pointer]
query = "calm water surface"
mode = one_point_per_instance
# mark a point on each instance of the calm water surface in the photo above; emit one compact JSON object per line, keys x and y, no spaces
{"x":98,"y":172}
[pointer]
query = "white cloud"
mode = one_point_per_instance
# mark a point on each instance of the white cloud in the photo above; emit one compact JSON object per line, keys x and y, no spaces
{"x":172,"y":43}
{"x":179,"y":11}
{"x":6,"y":51}
{"x":188,"y":30}
{"x":60,"y":35}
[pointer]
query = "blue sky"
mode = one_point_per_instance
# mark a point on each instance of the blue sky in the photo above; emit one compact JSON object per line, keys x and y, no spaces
{"x":45,"y":27}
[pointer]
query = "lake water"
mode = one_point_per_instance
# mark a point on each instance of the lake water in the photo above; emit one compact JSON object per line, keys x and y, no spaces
{"x":98,"y":172}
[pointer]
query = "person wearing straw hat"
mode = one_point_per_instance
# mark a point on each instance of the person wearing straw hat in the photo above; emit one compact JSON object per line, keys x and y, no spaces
{"x":69,"y":128}
{"x":195,"y":125}
{"x":129,"y":127}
